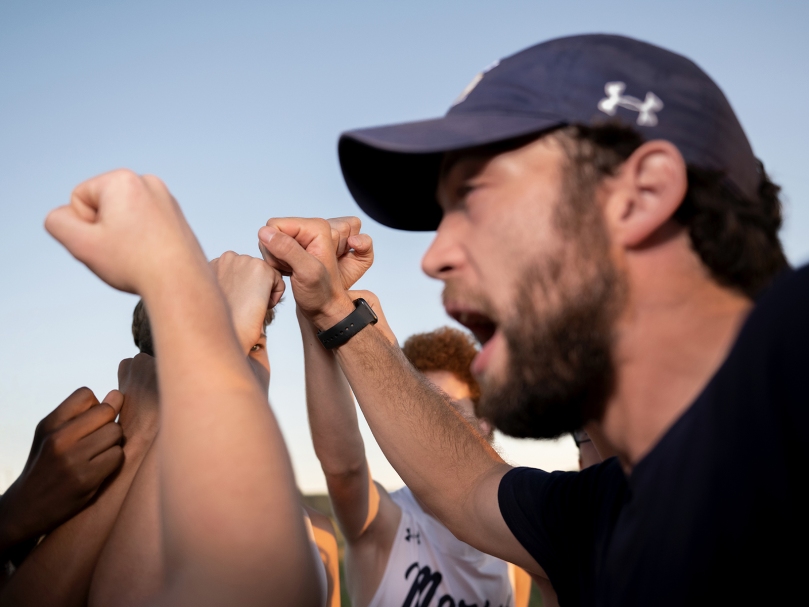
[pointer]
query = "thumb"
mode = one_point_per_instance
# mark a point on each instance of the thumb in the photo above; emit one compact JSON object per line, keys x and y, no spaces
{"x":362,"y":244}
{"x":71,"y":230}
{"x":279,"y":247}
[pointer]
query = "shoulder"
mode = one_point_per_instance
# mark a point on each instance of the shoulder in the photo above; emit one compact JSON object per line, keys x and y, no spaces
{"x":768,"y":361}
{"x":533,"y":488}
{"x":781,"y":313}
{"x":558,"y":516}
{"x":540,"y":507}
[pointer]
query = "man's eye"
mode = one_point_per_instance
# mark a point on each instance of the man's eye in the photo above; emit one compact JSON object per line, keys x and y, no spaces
{"x":464,"y":190}
{"x":256,"y":348}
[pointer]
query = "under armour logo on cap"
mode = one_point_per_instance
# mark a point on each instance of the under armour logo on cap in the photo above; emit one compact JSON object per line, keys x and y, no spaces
{"x":475,"y":81}
{"x":646,"y":109}
{"x":392,"y":171}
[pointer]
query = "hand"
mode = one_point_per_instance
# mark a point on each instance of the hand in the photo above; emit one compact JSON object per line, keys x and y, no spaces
{"x":76,"y":447}
{"x":305,"y":250}
{"x":381,"y":324}
{"x":250,"y":287}
{"x":355,"y":251}
{"x":126,"y":228}
{"x":137,"y":380}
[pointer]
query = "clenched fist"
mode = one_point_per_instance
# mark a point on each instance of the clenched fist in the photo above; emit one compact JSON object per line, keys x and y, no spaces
{"x":76,"y":447}
{"x":126,"y":228}
{"x":250,"y":287}
{"x":323,"y":257}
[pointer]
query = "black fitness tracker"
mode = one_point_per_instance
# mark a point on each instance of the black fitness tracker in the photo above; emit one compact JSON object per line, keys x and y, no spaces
{"x":362,"y":316}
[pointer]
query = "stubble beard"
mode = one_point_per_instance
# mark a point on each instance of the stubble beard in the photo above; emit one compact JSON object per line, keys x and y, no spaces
{"x":560,"y":370}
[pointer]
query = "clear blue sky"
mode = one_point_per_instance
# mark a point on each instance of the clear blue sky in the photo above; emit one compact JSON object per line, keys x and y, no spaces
{"x":238,"y":106}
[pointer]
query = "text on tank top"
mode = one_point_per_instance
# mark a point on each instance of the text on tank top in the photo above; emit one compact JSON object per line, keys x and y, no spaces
{"x":430,"y":567}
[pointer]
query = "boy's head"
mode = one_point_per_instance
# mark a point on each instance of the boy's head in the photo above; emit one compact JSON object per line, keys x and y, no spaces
{"x":445,"y":356}
{"x":257,"y":356}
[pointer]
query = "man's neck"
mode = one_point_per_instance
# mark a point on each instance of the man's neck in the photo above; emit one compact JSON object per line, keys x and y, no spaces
{"x":677,"y":330}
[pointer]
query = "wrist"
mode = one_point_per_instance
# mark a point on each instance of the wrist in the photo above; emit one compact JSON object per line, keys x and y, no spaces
{"x":334,"y":313}
{"x":186,"y":268}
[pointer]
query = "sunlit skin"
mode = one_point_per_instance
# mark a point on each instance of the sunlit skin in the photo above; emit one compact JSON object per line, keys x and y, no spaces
{"x":497,"y":212}
{"x":459,"y":392}
{"x":498,"y":215}
{"x":260,"y":362}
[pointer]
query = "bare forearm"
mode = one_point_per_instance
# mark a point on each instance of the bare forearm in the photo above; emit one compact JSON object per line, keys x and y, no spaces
{"x":336,"y":436}
{"x":330,"y":406}
{"x":58,"y":572}
{"x":216,"y":423}
{"x":435,"y":451}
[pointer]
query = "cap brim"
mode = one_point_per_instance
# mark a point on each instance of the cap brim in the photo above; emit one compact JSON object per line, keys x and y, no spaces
{"x":392,"y":171}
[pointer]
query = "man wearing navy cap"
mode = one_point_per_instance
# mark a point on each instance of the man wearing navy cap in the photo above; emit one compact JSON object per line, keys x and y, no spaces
{"x":605,"y":230}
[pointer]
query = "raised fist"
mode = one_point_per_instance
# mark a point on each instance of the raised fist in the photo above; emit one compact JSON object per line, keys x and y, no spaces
{"x":355,"y":251}
{"x":304,"y":250}
{"x":126,"y":228}
{"x":250,"y":287}
{"x":137,"y":380}
{"x":307,"y":250}
{"x":75,"y":448}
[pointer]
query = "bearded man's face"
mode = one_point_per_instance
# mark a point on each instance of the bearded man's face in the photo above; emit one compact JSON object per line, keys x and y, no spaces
{"x":525,"y":258}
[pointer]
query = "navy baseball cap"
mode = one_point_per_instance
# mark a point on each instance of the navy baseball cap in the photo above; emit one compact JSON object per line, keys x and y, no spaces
{"x":392,"y":171}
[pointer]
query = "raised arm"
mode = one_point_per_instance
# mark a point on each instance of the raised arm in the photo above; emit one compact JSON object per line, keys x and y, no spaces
{"x":336,"y":438}
{"x":234,"y":530}
{"x":366,"y":514}
{"x":434,"y":449}
{"x":358,"y":504}
{"x":131,"y":568}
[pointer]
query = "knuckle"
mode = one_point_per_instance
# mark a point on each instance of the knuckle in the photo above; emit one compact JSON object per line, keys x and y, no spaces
{"x":107,"y":411}
{"x":117,"y":456}
{"x":322,"y":225}
{"x":84,"y":480}
{"x":114,"y":457}
{"x":56,"y":444}
{"x":141,"y":359}
{"x":116,"y":431}
{"x":83,"y":394}
{"x":128,"y":179}
{"x":152,"y":181}
{"x":124,"y":365}
{"x":43,"y":427}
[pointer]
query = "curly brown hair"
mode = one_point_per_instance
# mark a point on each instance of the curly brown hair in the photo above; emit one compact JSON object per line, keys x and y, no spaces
{"x":142,"y":329}
{"x":445,"y":349}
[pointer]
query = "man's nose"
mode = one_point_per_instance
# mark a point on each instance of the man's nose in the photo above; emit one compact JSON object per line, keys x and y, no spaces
{"x":444,"y":254}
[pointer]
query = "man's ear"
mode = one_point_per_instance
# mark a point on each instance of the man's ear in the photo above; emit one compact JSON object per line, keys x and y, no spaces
{"x":647,"y":191}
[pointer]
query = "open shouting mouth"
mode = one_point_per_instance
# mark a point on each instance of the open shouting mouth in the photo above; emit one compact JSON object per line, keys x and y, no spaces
{"x":483,"y":327}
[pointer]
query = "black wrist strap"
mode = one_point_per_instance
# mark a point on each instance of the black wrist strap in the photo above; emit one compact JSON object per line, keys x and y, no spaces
{"x":362,"y":316}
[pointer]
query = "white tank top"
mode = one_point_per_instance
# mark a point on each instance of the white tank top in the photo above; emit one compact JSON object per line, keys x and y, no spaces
{"x":430,"y":567}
